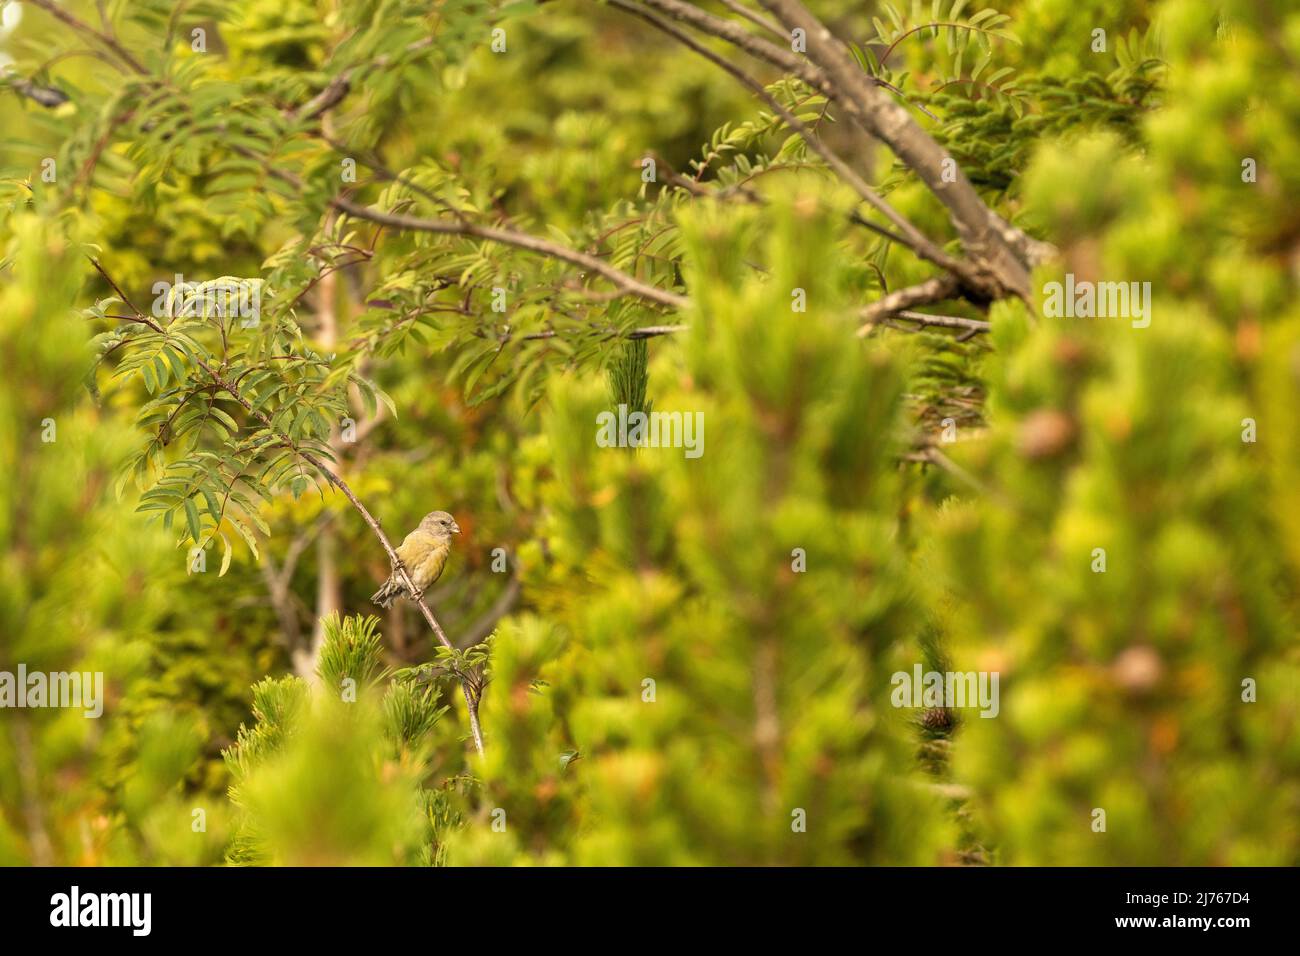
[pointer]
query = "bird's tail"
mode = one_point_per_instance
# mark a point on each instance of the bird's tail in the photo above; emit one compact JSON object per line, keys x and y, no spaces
{"x":389,"y":593}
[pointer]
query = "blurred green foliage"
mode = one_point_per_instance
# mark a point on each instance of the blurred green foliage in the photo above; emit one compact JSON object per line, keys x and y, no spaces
{"x":686,"y":661}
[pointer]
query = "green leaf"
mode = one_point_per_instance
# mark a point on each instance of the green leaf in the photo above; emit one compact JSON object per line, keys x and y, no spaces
{"x":192,"y":518}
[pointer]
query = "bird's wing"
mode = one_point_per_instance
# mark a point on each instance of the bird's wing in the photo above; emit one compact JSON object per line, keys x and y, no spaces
{"x":412,"y":546}
{"x":429,"y":568}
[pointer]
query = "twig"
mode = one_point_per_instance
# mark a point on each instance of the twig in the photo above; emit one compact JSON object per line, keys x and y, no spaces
{"x":81,"y":26}
{"x":972,"y":326}
{"x":520,"y":240}
{"x":645,"y":332}
{"x":279,"y":578}
{"x":753,"y":16}
{"x":47,"y":96}
{"x":931,"y":290}
{"x":950,"y":466}
{"x":341,"y":84}
{"x":779,"y":56}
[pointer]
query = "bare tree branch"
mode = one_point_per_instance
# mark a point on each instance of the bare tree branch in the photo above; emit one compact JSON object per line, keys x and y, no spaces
{"x":781,"y":57}
{"x":47,"y":96}
{"x":81,"y":26}
{"x":520,"y":240}
{"x":278,"y":580}
{"x":645,"y":332}
{"x":973,"y":327}
{"x":341,"y":84}
{"x":988,"y":240}
{"x":931,"y":290}
{"x":910,"y":236}
{"x":946,"y":321}
{"x":754,"y":17}
{"x":932,"y":455}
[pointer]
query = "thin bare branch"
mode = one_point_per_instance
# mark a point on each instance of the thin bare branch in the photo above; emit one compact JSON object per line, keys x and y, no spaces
{"x":927,"y":320}
{"x":645,"y":332}
{"x":520,"y":240}
{"x":933,"y":456}
{"x":754,"y":17}
{"x":47,"y":96}
{"x":988,"y":241}
{"x":909,"y":236}
{"x":343,"y":81}
{"x":781,"y":57}
{"x":81,"y":26}
{"x":946,"y":321}
{"x":931,"y":290}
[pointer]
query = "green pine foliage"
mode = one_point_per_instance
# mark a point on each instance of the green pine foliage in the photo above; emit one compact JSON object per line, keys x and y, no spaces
{"x":700,"y":649}
{"x":1161,"y":690}
{"x":358,"y":744}
{"x":676,"y":659}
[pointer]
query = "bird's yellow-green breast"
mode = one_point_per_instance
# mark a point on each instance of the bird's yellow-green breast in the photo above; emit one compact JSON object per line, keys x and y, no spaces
{"x":424,"y":556}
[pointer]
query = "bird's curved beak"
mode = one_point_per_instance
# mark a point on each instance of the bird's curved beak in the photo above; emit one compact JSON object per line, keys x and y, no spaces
{"x":455,"y":528}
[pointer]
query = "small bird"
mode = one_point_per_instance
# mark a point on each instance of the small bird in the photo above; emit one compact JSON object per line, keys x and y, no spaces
{"x":424,"y":553}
